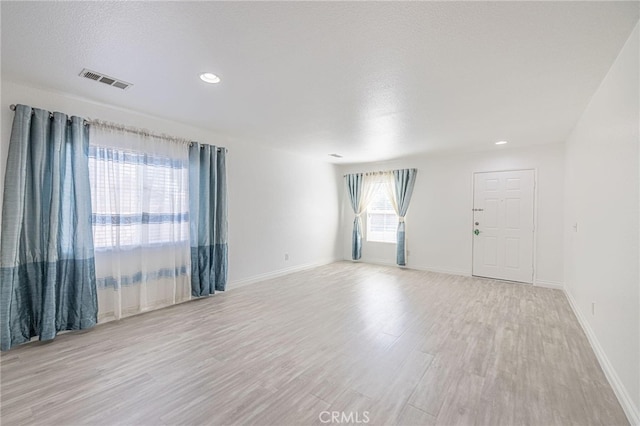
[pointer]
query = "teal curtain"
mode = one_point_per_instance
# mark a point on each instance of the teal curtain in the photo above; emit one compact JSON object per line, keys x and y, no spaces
{"x":355,"y":189}
{"x":47,"y":262}
{"x":404,"y":181}
{"x":208,"y":218}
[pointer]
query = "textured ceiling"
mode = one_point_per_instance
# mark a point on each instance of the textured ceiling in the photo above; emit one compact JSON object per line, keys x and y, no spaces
{"x":370,"y":81}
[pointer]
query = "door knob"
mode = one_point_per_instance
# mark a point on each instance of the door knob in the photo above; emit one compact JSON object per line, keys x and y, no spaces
{"x":477,"y":231}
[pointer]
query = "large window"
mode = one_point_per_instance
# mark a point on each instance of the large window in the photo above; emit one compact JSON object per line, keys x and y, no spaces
{"x":382,"y":221}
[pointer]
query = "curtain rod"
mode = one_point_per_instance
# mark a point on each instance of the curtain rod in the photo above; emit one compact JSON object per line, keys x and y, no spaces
{"x":382,"y":172}
{"x":12,"y":107}
{"x":121,"y":127}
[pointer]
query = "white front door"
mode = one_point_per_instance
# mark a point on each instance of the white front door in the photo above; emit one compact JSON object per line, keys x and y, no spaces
{"x":503,"y":225}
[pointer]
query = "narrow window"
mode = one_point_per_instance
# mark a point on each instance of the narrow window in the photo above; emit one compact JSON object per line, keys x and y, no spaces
{"x":382,"y":221}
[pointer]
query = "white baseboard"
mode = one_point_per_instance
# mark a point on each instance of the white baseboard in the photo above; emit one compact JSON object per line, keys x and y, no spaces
{"x":441,"y":270}
{"x":548,"y":284}
{"x":381,"y":262}
{"x":277,"y":273}
{"x":625,"y":400}
{"x":384,"y":262}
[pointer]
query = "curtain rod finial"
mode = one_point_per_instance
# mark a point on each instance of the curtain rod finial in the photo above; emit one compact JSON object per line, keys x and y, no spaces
{"x":12,"y":107}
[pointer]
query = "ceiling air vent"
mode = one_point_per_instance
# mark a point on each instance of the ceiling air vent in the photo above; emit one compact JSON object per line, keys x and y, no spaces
{"x":105,"y":79}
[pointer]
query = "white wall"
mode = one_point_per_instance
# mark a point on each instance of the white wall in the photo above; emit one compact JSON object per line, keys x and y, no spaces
{"x":601,"y":259}
{"x":439,"y":221}
{"x":278,"y":202}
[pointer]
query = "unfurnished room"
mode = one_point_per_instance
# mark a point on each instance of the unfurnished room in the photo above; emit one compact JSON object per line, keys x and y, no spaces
{"x":320,"y":213}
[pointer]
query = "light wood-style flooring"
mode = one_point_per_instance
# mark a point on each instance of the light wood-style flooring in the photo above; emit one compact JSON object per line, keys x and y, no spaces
{"x":388,"y":345}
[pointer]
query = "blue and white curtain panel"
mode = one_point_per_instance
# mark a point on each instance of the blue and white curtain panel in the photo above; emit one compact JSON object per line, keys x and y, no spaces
{"x":208,"y":200}
{"x":48,"y":281}
{"x":140,"y":205}
{"x":403,"y":180}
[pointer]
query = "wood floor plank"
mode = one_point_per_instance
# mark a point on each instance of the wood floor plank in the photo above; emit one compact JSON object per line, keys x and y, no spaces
{"x":460,"y":406}
{"x":411,"y":416}
{"x":406,"y":347}
{"x":390,"y":405}
{"x":497,"y":403}
{"x":443,"y":371}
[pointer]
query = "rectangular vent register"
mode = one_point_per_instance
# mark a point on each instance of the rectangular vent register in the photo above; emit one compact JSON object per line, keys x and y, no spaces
{"x":105,"y":79}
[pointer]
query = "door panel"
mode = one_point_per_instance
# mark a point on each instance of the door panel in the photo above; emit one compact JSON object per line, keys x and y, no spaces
{"x":490,"y":251}
{"x":503,"y":211}
{"x":512,"y":251}
{"x":512,"y":213}
{"x":491,"y":211}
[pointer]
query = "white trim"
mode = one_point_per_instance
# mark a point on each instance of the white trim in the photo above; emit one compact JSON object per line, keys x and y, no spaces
{"x":442,"y":270}
{"x":549,"y":284}
{"x":383,"y":262}
{"x":277,"y":273}
{"x":534,"y":259}
{"x":618,"y":388}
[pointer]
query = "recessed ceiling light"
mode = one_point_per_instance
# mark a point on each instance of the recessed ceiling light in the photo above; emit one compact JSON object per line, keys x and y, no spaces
{"x":335,"y":155}
{"x":208,"y":77}
{"x":501,"y":142}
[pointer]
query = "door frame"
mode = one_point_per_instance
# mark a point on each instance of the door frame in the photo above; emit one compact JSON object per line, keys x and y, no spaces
{"x":534,"y":278}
